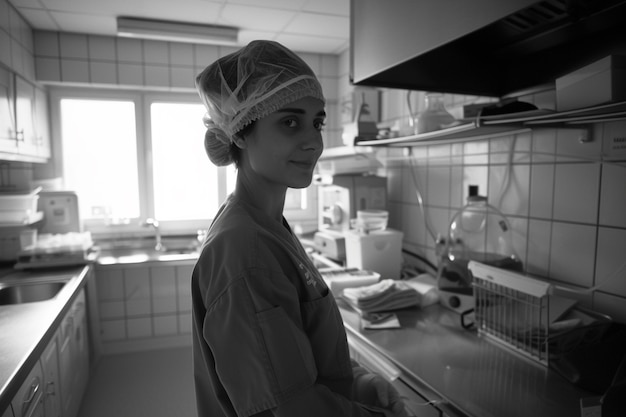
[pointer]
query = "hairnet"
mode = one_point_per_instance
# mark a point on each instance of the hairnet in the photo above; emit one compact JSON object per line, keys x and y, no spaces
{"x":247,"y":85}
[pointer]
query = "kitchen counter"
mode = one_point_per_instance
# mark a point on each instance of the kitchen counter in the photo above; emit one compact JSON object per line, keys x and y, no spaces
{"x":26,"y":329}
{"x":465,"y":374}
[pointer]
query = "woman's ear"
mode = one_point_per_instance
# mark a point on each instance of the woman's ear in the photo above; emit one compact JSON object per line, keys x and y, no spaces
{"x":239,"y":141}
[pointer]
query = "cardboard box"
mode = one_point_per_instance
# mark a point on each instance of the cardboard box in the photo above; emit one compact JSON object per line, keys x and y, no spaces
{"x":601,"y":82}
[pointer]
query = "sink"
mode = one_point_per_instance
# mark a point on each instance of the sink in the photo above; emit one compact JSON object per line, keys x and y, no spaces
{"x":19,"y":293}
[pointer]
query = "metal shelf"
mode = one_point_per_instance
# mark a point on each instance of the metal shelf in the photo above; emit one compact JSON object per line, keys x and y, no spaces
{"x":511,"y":124}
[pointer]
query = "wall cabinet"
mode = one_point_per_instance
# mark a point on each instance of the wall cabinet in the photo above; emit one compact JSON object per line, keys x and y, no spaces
{"x":24,"y":125}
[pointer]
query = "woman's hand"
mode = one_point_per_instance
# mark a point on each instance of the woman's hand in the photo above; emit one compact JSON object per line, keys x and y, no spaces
{"x":372,"y":389}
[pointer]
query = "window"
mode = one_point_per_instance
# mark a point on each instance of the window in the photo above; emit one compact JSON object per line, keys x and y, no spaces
{"x":134,"y":155}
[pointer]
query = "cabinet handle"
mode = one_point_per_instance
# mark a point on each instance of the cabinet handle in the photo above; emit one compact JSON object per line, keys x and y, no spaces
{"x":19,"y":135}
{"x":50,"y":390}
{"x":34,"y":388}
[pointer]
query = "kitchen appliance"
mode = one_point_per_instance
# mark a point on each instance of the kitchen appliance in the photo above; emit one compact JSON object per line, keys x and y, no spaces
{"x":339,"y":199}
{"x":379,"y":251}
{"x":60,"y":212}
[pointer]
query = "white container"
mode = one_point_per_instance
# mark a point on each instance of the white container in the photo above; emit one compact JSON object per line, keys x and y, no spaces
{"x":379,"y":251}
{"x":18,"y":208}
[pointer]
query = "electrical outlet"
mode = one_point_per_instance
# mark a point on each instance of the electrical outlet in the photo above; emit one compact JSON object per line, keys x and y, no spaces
{"x":614,"y":140}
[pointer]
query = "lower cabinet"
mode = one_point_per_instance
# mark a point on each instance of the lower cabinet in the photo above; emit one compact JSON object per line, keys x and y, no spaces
{"x":28,"y":402}
{"x":73,"y":357}
{"x":57,"y":382}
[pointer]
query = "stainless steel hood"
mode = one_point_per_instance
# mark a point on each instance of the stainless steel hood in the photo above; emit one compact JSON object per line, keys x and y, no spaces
{"x":481,"y":47}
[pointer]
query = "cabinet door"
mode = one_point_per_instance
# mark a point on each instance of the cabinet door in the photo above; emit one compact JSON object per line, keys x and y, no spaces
{"x":29,"y":399}
{"x":8,"y":412}
{"x":7,"y":112}
{"x":42,"y":125}
{"x":25,"y":110}
{"x":50,"y":364}
{"x":66,"y":371}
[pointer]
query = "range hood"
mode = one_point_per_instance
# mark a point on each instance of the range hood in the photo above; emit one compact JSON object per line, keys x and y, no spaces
{"x":482,"y":47}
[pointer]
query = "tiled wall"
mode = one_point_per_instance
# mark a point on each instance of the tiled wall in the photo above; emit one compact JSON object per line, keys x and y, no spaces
{"x":566,"y":200}
{"x":143,"y":306}
{"x":99,"y":61}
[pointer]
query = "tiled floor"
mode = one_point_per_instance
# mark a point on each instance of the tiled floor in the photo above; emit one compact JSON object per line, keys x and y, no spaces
{"x":156,"y":383}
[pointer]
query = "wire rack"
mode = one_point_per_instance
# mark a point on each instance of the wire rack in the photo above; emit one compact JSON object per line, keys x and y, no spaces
{"x":513,"y":310}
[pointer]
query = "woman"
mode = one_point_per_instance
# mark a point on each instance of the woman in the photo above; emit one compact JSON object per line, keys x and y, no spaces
{"x":268,"y":339}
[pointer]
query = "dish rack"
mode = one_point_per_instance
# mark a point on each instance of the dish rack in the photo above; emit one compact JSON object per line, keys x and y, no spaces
{"x":520,"y":313}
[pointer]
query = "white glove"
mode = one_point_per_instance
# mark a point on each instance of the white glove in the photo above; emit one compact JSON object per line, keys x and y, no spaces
{"x":373,"y":390}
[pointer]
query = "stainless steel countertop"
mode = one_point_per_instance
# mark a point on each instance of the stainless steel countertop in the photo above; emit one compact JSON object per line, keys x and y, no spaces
{"x":470,"y":375}
{"x":26,"y":329}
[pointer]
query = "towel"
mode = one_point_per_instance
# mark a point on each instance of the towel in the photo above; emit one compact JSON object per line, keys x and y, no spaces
{"x":389,"y":294}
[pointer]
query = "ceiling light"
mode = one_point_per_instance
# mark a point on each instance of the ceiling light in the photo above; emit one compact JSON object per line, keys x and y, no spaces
{"x":176,"y":31}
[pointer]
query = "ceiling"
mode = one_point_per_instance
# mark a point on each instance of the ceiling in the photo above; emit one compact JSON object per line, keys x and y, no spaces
{"x":318,"y":26}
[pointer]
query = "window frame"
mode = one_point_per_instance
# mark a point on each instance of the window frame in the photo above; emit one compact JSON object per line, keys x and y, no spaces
{"x":142,"y":100}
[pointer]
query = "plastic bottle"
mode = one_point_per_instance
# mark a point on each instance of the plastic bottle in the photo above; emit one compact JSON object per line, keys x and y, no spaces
{"x":434,"y":116}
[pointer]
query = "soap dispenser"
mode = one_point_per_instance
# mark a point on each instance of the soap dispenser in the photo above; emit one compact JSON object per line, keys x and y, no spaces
{"x":478,"y":232}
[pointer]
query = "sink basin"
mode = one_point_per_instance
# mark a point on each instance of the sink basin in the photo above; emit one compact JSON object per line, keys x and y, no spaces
{"x":19,"y":293}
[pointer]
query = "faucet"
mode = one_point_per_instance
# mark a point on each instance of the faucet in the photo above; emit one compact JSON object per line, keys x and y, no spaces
{"x":157,"y":233}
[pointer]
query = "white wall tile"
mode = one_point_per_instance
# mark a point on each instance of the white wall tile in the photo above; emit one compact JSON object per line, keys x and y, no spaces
{"x":543,"y":145}
{"x":205,"y":55}
{"x":509,"y":189}
{"x":138,"y":328}
{"x":576,"y":191}
{"x":110,"y":284}
{"x":165,"y":325}
{"x":570,"y":148}
{"x":438,"y":189}
{"x":5,"y":49}
{"x":73,"y":71}
{"x":112,"y":330}
{"x":157,"y":76}
{"x":184,"y":323}
{"x":130,"y":74}
{"x":129,"y":50}
{"x":155,"y":52}
{"x":47,"y":44}
{"x":611,"y":261}
{"x":538,"y":255}
{"x":73,"y":45}
{"x":102,"y":72}
{"x":181,"y":54}
{"x":111,"y":310}
{"x":101,"y":48}
{"x":182,"y":77}
{"x":613,"y":195}
{"x":541,"y":190}
{"x":572,"y":248}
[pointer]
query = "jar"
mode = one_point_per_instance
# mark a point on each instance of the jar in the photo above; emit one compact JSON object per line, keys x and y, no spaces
{"x":434,"y":116}
{"x":478,"y":232}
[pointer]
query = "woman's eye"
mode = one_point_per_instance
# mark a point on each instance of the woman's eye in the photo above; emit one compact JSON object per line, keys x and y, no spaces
{"x":291,"y":123}
{"x":319,"y":125}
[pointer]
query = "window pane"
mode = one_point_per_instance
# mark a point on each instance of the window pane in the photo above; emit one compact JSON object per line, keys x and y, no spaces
{"x":100,"y":157}
{"x":185,"y":181}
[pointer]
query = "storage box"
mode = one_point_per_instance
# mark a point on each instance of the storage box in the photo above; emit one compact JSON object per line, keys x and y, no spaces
{"x":379,"y":251}
{"x":17,"y":208}
{"x":603,"y":81}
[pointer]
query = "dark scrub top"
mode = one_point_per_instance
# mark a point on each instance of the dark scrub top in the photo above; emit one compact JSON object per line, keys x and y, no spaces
{"x":268,"y":338}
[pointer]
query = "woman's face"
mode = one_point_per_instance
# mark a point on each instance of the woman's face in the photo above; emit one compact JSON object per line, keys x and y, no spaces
{"x":283,"y":147}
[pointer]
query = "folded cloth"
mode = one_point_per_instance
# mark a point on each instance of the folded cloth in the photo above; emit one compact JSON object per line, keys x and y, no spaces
{"x":386,"y":295}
